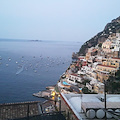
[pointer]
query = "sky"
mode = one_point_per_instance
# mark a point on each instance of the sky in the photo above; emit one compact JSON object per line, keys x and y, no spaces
{"x":60,"y":20}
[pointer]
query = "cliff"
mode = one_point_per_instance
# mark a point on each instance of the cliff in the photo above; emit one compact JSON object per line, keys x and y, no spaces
{"x":110,"y":28}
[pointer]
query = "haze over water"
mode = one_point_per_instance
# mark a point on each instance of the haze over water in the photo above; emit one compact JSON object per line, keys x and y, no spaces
{"x":27,"y":67}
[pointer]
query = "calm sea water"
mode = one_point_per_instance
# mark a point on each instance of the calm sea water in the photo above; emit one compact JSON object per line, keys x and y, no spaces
{"x":27,"y":67}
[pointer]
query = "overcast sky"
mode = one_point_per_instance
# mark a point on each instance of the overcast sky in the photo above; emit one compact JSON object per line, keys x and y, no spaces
{"x":71,"y":20}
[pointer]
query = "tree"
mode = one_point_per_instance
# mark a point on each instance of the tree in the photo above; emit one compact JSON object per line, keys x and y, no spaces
{"x":85,"y":90}
{"x":100,"y":45}
{"x":113,"y":83}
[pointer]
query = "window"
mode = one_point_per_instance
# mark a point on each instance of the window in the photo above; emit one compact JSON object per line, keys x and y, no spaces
{"x":112,"y":63}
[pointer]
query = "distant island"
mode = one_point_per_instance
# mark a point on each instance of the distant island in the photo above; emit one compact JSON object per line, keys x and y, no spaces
{"x":36,"y":40}
{"x":19,"y":40}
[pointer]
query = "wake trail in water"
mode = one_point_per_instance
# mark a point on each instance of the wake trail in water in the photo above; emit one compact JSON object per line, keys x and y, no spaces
{"x":20,"y":70}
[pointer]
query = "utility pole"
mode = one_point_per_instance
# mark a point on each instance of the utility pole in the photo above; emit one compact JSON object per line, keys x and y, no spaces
{"x":105,"y":97}
{"x":28,"y":112}
{"x":81,"y":101}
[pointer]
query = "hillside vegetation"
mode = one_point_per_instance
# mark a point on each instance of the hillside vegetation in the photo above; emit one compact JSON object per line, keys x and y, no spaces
{"x":110,"y":28}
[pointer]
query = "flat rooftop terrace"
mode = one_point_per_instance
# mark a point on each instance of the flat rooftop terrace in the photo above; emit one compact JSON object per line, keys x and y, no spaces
{"x":82,"y":105}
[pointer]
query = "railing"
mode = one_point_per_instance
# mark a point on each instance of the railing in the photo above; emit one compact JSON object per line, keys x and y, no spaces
{"x":45,"y":116}
{"x":18,"y":110}
{"x":27,"y":111}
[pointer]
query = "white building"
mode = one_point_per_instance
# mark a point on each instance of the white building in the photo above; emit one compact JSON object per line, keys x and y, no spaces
{"x":73,"y":79}
{"x":115,"y":45}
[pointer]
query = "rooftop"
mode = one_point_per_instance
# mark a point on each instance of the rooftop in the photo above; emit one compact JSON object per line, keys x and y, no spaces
{"x":80,"y":103}
{"x":74,"y":74}
{"x":116,"y":58}
{"x":106,"y":66}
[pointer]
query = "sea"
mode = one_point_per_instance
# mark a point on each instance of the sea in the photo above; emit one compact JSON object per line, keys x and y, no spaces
{"x":29,"y":66}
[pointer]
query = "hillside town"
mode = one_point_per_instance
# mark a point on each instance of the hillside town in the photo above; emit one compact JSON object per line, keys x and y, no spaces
{"x":91,"y":71}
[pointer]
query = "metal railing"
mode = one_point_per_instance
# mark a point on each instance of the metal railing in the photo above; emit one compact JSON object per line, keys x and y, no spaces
{"x":45,"y":116}
{"x":27,"y":111}
{"x":18,"y":110}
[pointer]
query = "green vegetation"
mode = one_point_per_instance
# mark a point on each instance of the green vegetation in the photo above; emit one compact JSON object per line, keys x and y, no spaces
{"x":113,"y":84}
{"x":100,"y":45}
{"x":85,"y":90}
{"x":85,"y":81}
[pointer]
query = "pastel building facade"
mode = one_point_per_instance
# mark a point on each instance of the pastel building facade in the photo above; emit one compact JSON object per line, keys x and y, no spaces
{"x":106,"y":46}
{"x":113,"y":62}
{"x":103,"y":72}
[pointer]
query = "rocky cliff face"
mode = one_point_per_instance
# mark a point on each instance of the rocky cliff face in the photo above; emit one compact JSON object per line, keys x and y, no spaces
{"x":110,"y":28}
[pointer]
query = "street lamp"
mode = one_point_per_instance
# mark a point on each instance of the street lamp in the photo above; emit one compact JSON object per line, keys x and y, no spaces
{"x":59,"y":103}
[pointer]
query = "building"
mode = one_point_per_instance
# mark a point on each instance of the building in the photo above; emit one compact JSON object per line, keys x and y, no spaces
{"x":113,"y":62}
{"x":73,"y":78}
{"x":89,"y":106}
{"x":103,"y":71}
{"x":99,"y":88}
{"x":106,"y":46}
